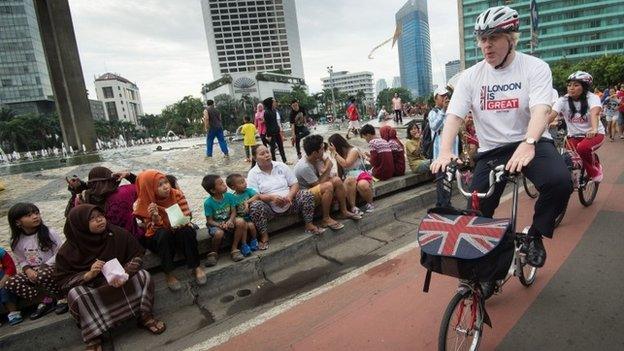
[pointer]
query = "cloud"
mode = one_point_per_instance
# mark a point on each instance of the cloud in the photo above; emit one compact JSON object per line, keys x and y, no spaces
{"x":161,"y":45}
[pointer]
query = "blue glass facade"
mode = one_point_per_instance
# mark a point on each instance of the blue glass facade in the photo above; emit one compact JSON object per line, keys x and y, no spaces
{"x":415,"y":48}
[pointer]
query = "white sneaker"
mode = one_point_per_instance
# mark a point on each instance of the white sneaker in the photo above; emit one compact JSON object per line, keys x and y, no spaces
{"x":369,"y":208}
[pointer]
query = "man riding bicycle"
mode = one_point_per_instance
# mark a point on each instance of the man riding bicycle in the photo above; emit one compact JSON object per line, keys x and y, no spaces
{"x":509,"y":94}
{"x":580,"y":108}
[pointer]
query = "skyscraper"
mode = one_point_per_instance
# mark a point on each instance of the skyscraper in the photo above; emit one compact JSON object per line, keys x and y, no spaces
{"x":396,"y":82}
{"x":254,"y":47}
{"x":452,"y":68}
{"x":252,"y":36}
{"x":415,"y":47}
{"x":24,"y":79}
{"x":381,"y":85}
{"x":574,"y":30}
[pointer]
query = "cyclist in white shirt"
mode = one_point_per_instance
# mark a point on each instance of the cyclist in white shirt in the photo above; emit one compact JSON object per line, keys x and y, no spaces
{"x":581,"y":110}
{"x":510,"y":94}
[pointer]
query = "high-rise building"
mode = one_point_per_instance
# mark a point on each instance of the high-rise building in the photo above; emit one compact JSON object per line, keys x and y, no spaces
{"x":396,"y":82}
{"x":573,"y":30}
{"x":121,"y":98}
{"x":24,"y":79}
{"x":248,"y":37}
{"x":381,"y":85}
{"x":351,"y":83}
{"x":415,"y":47}
{"x":452,"y":68}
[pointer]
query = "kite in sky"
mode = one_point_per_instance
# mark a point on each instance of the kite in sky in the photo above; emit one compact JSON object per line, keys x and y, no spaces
{"x":394,"y":38}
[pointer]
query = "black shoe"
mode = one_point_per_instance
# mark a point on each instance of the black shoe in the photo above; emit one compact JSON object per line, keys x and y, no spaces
{"x":42,"y":310}
{"x":487,"y":289}
{"x":535,"y":251}
{"x":61,"y":307}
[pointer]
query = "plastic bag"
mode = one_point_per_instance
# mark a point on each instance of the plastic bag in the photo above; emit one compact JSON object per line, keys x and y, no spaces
{"x":113,"y":270}
{"x":176,"y":216}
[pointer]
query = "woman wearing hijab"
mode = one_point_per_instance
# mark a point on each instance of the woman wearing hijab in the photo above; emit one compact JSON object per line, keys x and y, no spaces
{"x":389,"y":134}
{"x":260,"y":125}
{"x":155,"y":196}
{"x":91,"y":242}
{"x":104,"y":190}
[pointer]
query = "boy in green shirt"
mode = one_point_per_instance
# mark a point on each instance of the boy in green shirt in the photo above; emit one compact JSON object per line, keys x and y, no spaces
{"x":220,"y":211}
{"x":243,"y":197}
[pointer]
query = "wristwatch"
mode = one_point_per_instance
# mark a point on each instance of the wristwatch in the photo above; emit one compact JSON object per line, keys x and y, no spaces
{"x":529,"y":140}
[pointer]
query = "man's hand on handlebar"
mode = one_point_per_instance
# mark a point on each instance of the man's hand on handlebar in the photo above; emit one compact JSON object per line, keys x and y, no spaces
{"x":442,"y":162}
{"x":520,"y":158}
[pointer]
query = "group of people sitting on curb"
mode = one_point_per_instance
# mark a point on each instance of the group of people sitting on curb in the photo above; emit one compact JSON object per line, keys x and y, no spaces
{"x":110,"y":225}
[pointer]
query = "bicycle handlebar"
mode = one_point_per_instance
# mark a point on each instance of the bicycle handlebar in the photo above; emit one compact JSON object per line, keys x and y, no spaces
{"x":496,"y":176}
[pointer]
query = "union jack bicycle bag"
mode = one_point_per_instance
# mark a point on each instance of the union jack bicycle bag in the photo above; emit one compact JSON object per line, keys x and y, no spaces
{"x":463,"y":245}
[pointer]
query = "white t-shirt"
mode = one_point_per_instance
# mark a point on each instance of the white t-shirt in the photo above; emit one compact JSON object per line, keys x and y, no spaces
{"x":578,"y":124}
{"x":277,"y":183}
{"x":501,"y":99}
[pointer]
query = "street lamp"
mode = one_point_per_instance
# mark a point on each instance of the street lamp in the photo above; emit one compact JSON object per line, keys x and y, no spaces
{"x":330,"y":69}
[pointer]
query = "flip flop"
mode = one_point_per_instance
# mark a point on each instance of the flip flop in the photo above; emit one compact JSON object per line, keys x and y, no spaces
{"x":263,"y":245}
{"x":336,"y":226}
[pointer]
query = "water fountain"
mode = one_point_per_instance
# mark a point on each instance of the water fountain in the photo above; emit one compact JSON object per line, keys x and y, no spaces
{"x":84,"y":149}
{"x":15,"y":155}
{"x":71,"y":150}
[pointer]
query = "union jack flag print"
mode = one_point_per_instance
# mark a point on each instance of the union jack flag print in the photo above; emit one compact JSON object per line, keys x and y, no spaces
{"x":460,"y":236}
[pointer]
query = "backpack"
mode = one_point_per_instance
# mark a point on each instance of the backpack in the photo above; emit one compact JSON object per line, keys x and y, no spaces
{"x":448,"y":248}
{"x":426,"y":141}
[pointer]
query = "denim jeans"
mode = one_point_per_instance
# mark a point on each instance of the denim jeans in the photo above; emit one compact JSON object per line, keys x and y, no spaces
{"x":218,"y":133}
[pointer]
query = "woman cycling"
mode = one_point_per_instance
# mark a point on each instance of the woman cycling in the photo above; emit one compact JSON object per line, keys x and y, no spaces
{"x":581,"y":110}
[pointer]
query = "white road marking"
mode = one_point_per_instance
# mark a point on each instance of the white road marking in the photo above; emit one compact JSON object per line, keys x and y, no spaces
{"x":277,"y":310}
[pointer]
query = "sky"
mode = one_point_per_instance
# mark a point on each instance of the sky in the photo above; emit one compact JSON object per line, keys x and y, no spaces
{"x":161,"y":44}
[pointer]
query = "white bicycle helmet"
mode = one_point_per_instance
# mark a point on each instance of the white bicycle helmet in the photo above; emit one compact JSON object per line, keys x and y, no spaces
{"x":582,"y":77}
{"x":498,"y":19}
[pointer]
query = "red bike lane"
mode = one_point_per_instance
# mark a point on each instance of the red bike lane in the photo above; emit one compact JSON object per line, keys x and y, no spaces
{"x":385,"y":308}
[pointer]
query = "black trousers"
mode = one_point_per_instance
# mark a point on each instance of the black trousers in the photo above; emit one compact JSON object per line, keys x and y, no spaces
{"x":165,"y":242}
{"x":265,"y":142}
{"x":398,"y":116}
{"x":276,"y":141}
{"x":547,"y":171}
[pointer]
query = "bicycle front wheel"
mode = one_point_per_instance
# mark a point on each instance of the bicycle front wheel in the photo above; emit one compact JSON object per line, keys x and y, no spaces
{"x":462,"y":324}
{"x":588,"y":190}
{"x":529,"y":188}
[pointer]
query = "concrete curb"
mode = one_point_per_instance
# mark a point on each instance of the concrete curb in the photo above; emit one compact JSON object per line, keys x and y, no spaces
{"x":287,"y":249}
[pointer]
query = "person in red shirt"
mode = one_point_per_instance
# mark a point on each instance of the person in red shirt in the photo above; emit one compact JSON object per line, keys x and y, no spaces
{"x":354,"y":117}
{"x":620,"y":122}
{"x":7,"y":270}
{"x":380,"y":154}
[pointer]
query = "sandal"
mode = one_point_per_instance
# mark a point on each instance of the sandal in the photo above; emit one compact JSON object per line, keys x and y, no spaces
{"x":334,"y":226}
{"x":152,"y":325}
{"x":94,"y":345}
{"x":263,"y":245}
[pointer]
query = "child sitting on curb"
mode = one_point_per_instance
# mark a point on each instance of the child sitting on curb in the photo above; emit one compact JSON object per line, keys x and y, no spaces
{"x":7,"y":270}
{"x":220,"y":211}
{"x":243,"y":196}
{"x":34,"y":246}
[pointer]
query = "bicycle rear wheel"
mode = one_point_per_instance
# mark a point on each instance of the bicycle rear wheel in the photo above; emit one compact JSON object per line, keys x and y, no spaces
{"x":530,"y":190}
{"x":587,"y":190}
{"x":462,"y":324}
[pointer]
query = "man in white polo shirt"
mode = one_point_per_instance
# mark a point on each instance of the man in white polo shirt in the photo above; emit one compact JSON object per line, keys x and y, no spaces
{"x":510,"y":94}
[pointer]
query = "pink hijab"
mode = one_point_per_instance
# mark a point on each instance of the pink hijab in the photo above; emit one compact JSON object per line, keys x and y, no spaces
{"x":259,"y":119}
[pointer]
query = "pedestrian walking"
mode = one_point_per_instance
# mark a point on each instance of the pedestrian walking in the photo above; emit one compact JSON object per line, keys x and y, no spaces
{"x":214,"y":129}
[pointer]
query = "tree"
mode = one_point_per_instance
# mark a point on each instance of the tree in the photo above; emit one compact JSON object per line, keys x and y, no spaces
{"x":184,"y":117}
{"x":228,"y":107}
{"x":384,"y":97}
{"x":606,"y":70}
{"x":154,"y":124}
{"x":28,"y":131}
